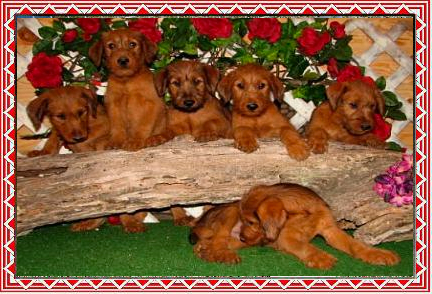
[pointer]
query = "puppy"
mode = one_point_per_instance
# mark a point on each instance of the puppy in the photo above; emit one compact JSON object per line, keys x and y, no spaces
{"x":78,"y":121}
{"x":134,"y":109}
{"x":290,"y":216}
{"x":347,"y":116}
{"x":254,"y":114}
{"x":216,"y":234}
{"x":194,"y":109}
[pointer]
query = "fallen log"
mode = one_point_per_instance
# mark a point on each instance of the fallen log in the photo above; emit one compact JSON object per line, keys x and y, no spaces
{"x":53,"y":189}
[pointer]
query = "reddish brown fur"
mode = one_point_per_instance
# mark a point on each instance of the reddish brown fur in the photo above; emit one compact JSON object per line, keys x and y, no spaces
{"x":78,"y":121}
{"x":134,"y":108}
{"x":253,"y":84}
{"x":306,"y":215}
{"x":351,"y":105}
{"x":193,"y":82}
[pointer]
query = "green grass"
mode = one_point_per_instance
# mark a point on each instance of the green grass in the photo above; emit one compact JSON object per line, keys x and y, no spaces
{"x":164,"y":250}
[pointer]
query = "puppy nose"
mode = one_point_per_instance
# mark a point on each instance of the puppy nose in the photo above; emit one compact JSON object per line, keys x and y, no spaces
{"x":242,"y":239}
{"x":78,"y":138}
{"x":252,"y":106}
{"x":188,"y":103}
{"x":123,"y":61}
{"x":366,"y":127}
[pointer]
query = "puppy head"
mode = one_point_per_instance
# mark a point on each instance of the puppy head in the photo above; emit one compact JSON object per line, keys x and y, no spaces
{"x":68,"y":109}
{"x":125,"y":51}
{"x":250,"y":87}
{"x":266,"y":221}
{"x":188,"y":82}
{"x":356,"y":102}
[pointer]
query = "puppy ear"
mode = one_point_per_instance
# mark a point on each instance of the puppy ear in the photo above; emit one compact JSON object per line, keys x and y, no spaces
{"x":161,"y":82}
{"x":224,"y":88}
{"x":96,"y":52}
{"x":334,"y":92}
{"x":91,"y":98}
{"x":380,"y":101}
{"x":277,"y":88}
{"x":37,"y":108}
{"x":149,"y":50}
{"x":272,"y":216}
{"x":212,"y":76}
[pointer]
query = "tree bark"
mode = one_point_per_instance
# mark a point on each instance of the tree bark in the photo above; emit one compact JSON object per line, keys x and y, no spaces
{"x":52,"y":189}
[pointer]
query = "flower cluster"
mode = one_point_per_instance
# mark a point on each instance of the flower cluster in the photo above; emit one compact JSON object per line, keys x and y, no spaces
{"x":396,"y":185}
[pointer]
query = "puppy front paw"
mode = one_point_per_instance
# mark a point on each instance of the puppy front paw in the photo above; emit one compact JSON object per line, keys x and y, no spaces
{"x":36,"y":153}
{"x":318,"y":146}
{"x":206,"y":136}
{"x":134,"y":227}
{"x":133,"y":145}
{"x":247,"y":145}
{"x":380,"y":257}
{"x":299,"y":151}
{"x":321,"y":260}
{"x":87,"y":225}
{"x":184,"y":221}
{"x":374,"y":142}
{"x":155,"y":140}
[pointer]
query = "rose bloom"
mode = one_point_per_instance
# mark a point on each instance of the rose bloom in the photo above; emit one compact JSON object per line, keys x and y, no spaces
{"x":332,"y":67}
{"x":382,"y":129}
{"x":89,"y":25}
{"x":45,"y":71}
{"x":147,"y":26}
{"x":213,"y":27}
{"x":311,"y":42}
{"x":349,"y":73}
{"x":69,"y":35}
{"x":338,"y":30}
{"x":269,"y":29}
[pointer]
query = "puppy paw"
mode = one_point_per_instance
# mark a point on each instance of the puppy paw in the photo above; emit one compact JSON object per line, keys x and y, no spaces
{"x":155,"y":140}
{"x":380,"y":257}
{"x":374,"y":142}
{"x":299,"y":151}
{"x":184,"y":221}
{"x":87,"y":225}
{"x":36,"y":153}
{"x":318,"y":146}
{"x":113,"y":145}
{"x":321,"y":260}
{"x":227,"y":256}
{"x":133,"y":145}
{"x":247,"y":145}
{"x":206,"y":136}
{"x":134,"y":227}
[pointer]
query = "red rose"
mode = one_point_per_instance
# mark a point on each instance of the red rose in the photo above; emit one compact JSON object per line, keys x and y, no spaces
{"x":338,"y":30}
{"x":89,"y":25}
{"x":382,"y":128}
{"x":69,"y":35}
{"x":45,"y":71}
{"x":213,"y":27}
{"x":87,"y":37}
{"x":332,"y":67}
{"x":147,"y":26}
{"x":269,"y":29}
{"x":349,"y":73}
{"x":368,"y":80}
{"x":311,"y":42}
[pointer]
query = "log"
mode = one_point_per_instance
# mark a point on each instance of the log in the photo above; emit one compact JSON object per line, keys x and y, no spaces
{"x":61,"y":188}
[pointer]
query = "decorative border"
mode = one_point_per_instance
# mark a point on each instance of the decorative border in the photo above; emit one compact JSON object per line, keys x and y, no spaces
{"x":421,"y":9}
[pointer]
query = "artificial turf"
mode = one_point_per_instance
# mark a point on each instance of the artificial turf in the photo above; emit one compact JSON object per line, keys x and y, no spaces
{"x":164,"y":250}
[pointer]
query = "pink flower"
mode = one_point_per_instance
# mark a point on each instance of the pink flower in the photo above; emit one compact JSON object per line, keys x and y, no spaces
{"x":401,"y":200}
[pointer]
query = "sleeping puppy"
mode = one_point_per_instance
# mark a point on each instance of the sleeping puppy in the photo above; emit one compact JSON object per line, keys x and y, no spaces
{"x":254,"y":115}
{"x":194,"y":108}
{"x":347,"y":116}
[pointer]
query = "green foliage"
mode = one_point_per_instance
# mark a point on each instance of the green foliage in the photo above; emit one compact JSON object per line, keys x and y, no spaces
{"x":394,"y":146}
{"x":381,"y":83}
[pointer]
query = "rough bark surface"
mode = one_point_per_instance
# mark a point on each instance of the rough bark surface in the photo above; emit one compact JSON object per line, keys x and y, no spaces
{"x":52,"y":189}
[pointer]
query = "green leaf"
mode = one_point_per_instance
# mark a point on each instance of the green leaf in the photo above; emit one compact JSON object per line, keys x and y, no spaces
{"x":395,"y":114}
{"x":390,"y":98}
{"x":297,"y":66}
{"x":180,"y":42}
{"x":239,"y":26}
{"x":320,"y":19}
{"x":362,"y":70}
{"x":59,"y":26}
{"x":393,"y":146}
{"x":316,"y":93}
{"x":381,"y":83}
{"x":67,"y":75}
{"x":164,"y":47}
{"x":47,"y":32}
{"x":42,"y":46}
{"x":190,"y":49}
{"x":224,"y":62}
{"x":204,"y":43}
{"x":119,"y":24}
{"x":311,"y":75}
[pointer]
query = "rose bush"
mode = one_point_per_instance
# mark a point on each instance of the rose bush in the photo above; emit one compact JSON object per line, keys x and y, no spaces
{"x":147,"y":26}
{"x":311,"y":42}
{"x":213,"y":27}
{"x":268,"y":29}
{"x":45,"y":71}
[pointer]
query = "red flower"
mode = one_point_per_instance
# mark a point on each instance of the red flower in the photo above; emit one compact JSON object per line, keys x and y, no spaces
{"x":147,"y":26}
{"x":368,"y":80}
{"x":213,"y":27}
{"x":332,"y":67}
{"x":45,"y":71}
{"x":69,"y":35}
{"x":349,"y":73}
{"x":382,"y":128}
{"x":269,"y":29}
{"x":89,"y":25}
{"x":311,"y":42}
{"x":114,"y":220}
{"x":338,"y":30}
{"x":87,"y":37}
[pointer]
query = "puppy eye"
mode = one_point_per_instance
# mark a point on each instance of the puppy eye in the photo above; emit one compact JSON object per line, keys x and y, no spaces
{"x":175,"y":83}
{"x":111,"y":45}
{"x":261,"y":86}
{"x":81,"y":112}
{"x":373,"y":106}
{"x":132,"y":44}
{"x":61,"y":116}
{"x":240,"y":85}
{"x":198,"y":81}
{"x":353,"y":105}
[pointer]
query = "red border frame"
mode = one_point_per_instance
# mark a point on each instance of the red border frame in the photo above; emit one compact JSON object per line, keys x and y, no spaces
{"x":420,"y":283}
